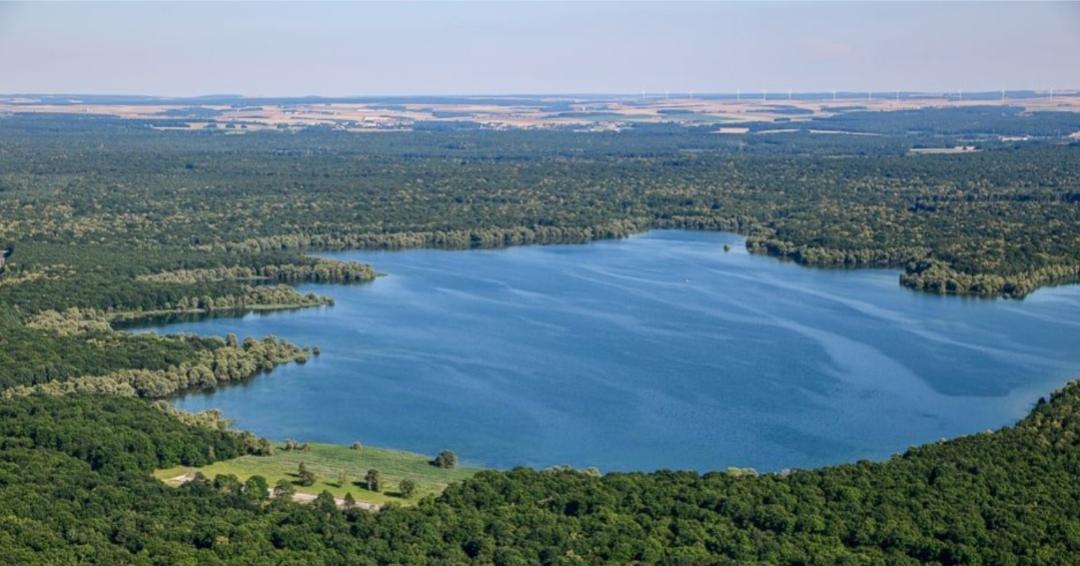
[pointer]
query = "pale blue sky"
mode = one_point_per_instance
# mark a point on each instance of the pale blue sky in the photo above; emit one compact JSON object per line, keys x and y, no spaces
{"x":373,"y":48}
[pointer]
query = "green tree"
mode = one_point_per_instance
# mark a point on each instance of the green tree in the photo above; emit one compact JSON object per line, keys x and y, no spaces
{"x":445,"y":459}
{"x":227,"y":484}
{"x":325,"y":502}
{"x":257,"y":488}
{"x":307,"y":477}
{"x":407,"y":487}
{"x":374,"y":480}
{"x":284,"y":489}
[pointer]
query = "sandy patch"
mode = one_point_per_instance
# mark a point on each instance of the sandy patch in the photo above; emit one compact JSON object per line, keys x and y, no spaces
{"x":931,"y":150}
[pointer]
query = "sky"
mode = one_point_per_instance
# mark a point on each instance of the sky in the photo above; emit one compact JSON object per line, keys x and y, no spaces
{"x":505,"y":47}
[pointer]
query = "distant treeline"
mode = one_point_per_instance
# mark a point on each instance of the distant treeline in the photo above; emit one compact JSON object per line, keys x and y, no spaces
{"x":995,"y":222}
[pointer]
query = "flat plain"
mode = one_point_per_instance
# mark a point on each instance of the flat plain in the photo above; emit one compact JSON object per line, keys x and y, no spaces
{"x":599,"y":113}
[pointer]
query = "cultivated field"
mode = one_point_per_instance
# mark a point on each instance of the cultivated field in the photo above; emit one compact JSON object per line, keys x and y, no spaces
{"x":598,"y":113}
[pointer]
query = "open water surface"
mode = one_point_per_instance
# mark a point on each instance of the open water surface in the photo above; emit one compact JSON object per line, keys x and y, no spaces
{"x":658,"y":351}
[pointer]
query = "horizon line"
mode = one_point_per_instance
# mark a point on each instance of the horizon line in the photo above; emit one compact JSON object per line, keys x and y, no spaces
{"x":692,"y":93}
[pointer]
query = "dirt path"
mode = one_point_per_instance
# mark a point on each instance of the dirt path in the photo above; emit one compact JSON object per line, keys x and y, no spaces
{"x":308,"y":498}
{"x":297,"y":497}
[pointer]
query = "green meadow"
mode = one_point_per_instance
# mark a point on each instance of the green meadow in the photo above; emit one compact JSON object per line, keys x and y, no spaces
{"x":328,"y":462}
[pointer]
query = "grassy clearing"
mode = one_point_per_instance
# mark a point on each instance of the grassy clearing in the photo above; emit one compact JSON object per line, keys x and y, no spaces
{"x":328,"y":461}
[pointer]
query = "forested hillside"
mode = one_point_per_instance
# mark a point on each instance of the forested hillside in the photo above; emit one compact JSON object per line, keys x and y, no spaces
{"x":110,"y":220}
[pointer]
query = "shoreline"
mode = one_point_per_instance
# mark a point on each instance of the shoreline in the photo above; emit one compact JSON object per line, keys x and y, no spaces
{"x":706,"y":239}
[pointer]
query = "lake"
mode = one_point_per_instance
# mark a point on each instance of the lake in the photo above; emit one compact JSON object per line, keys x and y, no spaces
{"x":658,"y":351}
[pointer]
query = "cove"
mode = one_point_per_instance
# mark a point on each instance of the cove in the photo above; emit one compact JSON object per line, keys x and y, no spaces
{"x":657,"y":351}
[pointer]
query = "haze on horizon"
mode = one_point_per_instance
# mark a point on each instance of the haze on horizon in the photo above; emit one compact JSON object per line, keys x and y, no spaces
{"x":414,"y":48}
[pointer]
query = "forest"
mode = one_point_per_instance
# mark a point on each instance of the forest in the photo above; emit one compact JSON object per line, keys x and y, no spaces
{"x":75,"y":487}
{"x":112,"y":220}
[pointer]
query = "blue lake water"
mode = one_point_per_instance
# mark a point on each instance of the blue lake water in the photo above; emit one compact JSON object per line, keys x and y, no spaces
{"x":658,"y":351}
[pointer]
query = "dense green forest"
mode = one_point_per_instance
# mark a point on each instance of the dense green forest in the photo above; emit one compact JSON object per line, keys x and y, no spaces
{"x":110,"y":220}
{"x":997,"y":222}
{"x":75,"y":487}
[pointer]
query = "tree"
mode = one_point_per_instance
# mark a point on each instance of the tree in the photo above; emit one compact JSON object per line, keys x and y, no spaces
{"x":342,"y":479}
{"x":445,"y":459}
{"x":374,"y":480}
{"x":227,"y":484}
{"x":325,"y":502}
{"x":307,"y":477}
{"x":350,"y":501}
{"x":265,"y":447}
{"x":407,"y":487}
{"x":257,"y":488}
{"x":284,"y":489}
{"x":356,"y":445}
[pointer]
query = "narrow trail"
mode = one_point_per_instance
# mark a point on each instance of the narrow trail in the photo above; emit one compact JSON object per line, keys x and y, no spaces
{"x":297,"y":497}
